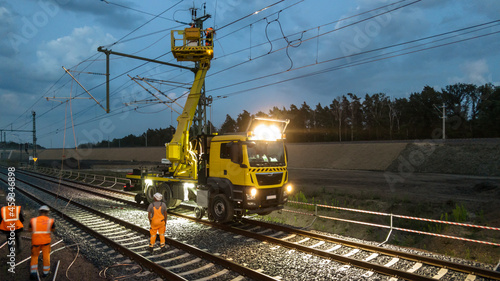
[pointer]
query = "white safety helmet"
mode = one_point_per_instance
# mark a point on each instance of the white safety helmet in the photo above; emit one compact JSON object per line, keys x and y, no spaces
{"x":158,"y":196}
{"x":44,"y":208}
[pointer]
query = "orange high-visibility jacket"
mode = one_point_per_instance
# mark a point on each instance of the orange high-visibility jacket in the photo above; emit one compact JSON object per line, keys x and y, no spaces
{"x":41,"y":228}
{"x":11,"y":214}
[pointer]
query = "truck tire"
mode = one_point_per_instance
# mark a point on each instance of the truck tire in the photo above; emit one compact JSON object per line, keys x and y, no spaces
{"x":165,"y":190}
{"x":221,"y":209}
{"x":150,"y":192}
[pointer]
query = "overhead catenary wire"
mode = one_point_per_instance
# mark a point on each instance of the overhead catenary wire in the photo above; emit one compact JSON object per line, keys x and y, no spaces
{"x":132,"y":32}
{"x":323,"y":34}
{"x":224,"y":26}
{"x":136,"y":10}
{"x":142,"y":25}
{"x":343,"y":66}
{"x":91,"y":106}
{"x":85,"y":60}
{"x":358,"y":63}
{"x":361,"y":13}
{"x":480,"y":26}
{"x":249,"y":15}
{"x":371,"y":17}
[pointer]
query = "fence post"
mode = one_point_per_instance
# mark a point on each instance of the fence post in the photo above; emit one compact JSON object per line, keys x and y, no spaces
{"x":388,"y":235}
{"x":315,"y":217}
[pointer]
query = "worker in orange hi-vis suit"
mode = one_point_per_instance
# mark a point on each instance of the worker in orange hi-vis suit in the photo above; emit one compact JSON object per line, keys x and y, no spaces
{"x":157,"y":215}
{"x":11,"y":224}
{"x":41,"y":228}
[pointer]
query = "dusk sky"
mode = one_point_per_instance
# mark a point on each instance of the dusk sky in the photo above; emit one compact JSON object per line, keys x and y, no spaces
{"x":294,"y":51}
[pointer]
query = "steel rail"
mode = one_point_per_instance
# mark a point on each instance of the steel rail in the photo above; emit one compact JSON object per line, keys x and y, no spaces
{"x":187,"y":248}
{"x":139,"y":258}
{"x":417,"y":258}
{"x":423,"y":259}
{"x":79,"y":182}
{"x":346,"y":260}
{"x":135,"y":204}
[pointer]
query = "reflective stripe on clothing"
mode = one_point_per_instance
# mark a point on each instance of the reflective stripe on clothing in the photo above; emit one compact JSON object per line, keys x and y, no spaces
{"x":11,"y":214}
{"x":153,"y":233}
{"x":35,"y":252}
{"x":41,"y":228}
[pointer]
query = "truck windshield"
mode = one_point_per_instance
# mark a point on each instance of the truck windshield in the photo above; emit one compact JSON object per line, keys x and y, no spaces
{"x":266,"y":153}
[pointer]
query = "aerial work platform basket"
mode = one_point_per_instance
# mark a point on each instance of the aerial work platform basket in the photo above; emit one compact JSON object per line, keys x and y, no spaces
{"x":190,"y":45}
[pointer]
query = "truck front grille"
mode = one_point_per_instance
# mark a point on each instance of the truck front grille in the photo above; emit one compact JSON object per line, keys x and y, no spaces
{"x":269,"y":178}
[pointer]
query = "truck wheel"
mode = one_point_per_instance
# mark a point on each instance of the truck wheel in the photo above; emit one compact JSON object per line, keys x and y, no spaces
{"x":150,"y":192}
{"x":221,"y":209}
{"x":199,"y":212}
{"x":165,"y":190}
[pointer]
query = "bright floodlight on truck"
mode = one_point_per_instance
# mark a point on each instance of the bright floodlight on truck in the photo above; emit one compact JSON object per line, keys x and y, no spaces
{"x":267,"y":129}
{"x":148,"y":182}
{"x":266,"y":132}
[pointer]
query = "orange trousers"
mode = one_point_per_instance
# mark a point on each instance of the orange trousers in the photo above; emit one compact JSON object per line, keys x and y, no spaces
{"x":153,"y":232}
{"x":35,"y":252}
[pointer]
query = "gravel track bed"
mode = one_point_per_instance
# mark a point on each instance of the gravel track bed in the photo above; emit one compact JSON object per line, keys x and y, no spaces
{"x":275,"y":261}
{"x":404,"y":264}
{"x":94,"y":251}
{"x":129,"y":214}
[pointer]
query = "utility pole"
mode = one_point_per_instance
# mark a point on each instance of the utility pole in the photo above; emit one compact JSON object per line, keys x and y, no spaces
{"x":34,"y":138}
{"x":443,"y":112}
{"x":444,"y":121}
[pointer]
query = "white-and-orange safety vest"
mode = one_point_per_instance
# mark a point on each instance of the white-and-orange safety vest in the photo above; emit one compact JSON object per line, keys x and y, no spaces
{"x":11,"y":214}
{"x":41,"y":228}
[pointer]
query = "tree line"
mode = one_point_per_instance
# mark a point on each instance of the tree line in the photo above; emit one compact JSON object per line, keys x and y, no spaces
{"x":471,"y":111}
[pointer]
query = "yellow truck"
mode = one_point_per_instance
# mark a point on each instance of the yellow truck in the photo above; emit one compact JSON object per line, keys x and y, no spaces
{"x":223,"y":176}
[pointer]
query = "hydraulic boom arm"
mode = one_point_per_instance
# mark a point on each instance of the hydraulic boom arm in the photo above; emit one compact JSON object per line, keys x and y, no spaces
{"x":179,"y":152}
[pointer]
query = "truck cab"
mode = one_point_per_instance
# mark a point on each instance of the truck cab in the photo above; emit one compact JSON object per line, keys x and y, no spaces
{"x":249,"y":172}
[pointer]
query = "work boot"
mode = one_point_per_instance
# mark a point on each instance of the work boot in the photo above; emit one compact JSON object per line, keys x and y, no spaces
{"x":150,"y":250}
{"x":45,"y":274}
{"x":163,"y":249}
{"x":33,"y":276}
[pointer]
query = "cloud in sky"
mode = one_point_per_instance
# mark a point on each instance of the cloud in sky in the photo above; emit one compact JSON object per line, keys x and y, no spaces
{"x":244,"y":74}
{"x":69,"y":50}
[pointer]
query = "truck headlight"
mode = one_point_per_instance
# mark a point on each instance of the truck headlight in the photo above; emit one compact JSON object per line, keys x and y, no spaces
{"x":148,"y":182}
{"x":287,"y":190}
{"x":251,"y":195}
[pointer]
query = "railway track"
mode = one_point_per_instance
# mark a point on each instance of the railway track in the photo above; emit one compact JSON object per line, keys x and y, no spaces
{"x":350,"y":255}
{"x":179,"y":262}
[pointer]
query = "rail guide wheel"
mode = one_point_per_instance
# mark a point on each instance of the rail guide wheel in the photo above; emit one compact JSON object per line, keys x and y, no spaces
{"x":199,"y":212}
{"x":140,"y":198}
